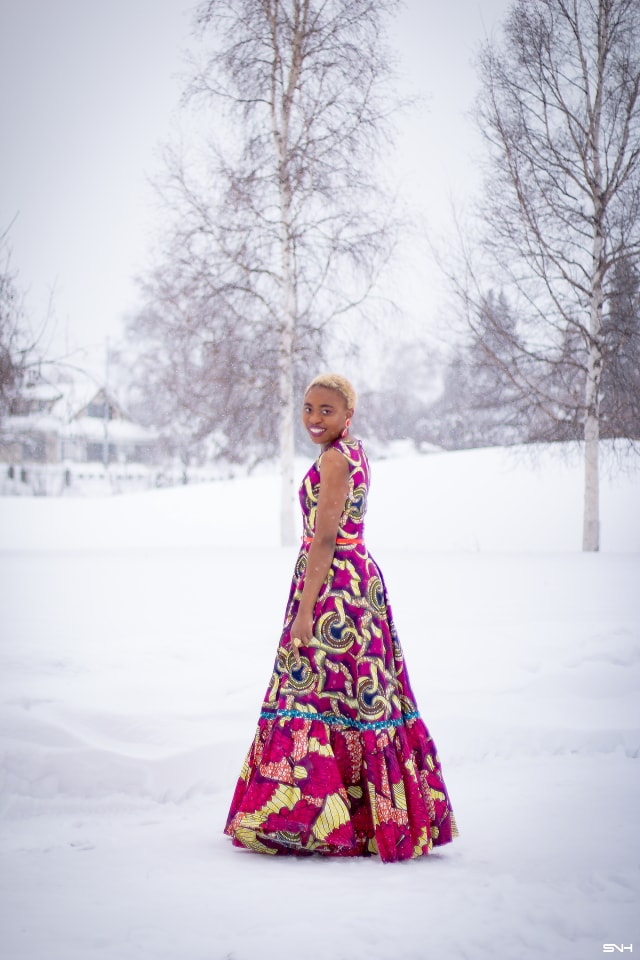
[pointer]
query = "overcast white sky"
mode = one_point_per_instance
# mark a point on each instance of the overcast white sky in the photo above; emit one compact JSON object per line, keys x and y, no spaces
{"x":89,"y":91}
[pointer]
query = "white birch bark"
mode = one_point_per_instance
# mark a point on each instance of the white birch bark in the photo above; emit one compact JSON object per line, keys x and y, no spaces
{"x":287,"y":523}
{"x":591,"y":518}
{"x":287,"y":403}
{"x":591,"y":521}
{"x":281,"y":106}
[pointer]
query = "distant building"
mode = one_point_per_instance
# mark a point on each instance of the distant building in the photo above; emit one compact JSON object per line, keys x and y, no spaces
{"x":100,"y":432}
{"x":74,"y":438}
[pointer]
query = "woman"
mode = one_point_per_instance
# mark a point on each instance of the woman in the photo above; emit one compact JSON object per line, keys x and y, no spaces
{"x":341,"y":762}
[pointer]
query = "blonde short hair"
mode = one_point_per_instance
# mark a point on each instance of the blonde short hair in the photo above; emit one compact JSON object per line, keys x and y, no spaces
{"x":333,"y":381}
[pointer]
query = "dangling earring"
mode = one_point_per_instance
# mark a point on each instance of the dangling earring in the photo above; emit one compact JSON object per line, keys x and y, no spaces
{"x":346,"y":427}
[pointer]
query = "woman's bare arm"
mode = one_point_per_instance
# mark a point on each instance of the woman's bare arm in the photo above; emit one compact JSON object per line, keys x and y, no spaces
{"x":334,"y":488}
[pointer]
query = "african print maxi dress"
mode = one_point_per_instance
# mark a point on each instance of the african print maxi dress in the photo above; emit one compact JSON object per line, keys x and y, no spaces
{"x":341,"y":762}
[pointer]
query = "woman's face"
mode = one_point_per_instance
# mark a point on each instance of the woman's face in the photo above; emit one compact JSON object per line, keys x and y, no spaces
{"x":324,"y":414}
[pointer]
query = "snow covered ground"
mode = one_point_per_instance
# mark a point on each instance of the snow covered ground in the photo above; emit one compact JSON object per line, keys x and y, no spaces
{"x":137,"y":639}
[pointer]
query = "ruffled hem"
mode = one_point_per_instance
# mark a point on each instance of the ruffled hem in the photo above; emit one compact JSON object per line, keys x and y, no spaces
{"x":353,"y":789}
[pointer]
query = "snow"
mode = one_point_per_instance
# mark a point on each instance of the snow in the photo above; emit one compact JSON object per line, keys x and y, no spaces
{"x":138,"y":634}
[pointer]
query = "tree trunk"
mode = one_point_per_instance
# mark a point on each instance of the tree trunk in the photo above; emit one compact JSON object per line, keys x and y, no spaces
{"x":591,"y":523}
{"x":280,"y":120}
{"x":287,"y":525}
{"x":286,"y":383}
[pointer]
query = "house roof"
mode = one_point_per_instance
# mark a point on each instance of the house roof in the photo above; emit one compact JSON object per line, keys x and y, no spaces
{"x":119,"y":431}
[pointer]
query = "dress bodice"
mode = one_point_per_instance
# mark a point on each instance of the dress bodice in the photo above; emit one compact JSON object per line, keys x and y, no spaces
{"x":351,"y":525}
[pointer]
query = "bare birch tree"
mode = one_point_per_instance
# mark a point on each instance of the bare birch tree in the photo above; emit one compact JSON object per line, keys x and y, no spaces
{"x":280,"y":223}
{"x":200,"y":378}
{"x":559,"y":109}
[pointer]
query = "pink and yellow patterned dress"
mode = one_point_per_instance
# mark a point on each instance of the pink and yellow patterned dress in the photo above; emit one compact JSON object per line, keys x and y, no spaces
{"x":341,"y":762}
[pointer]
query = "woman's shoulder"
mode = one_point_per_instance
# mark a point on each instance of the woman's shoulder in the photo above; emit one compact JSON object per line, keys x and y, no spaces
{"x":350,"y":447}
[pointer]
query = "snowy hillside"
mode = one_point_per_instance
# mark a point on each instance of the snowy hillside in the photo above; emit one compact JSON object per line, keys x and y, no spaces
{"x":488,"y":500}
{"x":138,"y":635}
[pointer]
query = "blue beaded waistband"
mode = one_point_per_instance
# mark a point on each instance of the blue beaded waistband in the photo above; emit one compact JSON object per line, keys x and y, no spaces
{"x":334,"y":721}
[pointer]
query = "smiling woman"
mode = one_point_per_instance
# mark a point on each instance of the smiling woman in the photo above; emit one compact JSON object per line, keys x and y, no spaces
{"x":341,"y":762}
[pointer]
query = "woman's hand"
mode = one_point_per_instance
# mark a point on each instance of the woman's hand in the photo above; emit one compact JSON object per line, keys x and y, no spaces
{"x":301,"y":629}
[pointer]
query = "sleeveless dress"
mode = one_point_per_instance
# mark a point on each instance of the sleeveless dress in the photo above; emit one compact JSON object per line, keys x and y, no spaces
{"x":341,"y":762}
